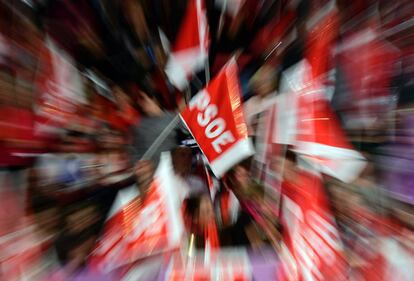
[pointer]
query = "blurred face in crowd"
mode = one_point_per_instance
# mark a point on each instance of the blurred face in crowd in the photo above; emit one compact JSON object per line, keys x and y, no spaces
{"x":182,"y":158}
{"x":81,"y":219}
{"x":144,"y":171}
{"x":263,"y":81}
{"x":242,"y":176}
{"x":239,"y":180}
{"x":47,"y":220}
{"x":289,"y":170}
{"x":206,"y":212}
{"x":148,"y":105}
{"x":404,"y":213}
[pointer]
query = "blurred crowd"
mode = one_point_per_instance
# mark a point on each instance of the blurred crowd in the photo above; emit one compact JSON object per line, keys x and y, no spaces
{"x":84,"y":96}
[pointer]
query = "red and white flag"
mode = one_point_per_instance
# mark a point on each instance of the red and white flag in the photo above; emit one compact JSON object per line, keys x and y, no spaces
{"x":216,"y":121}
{"x":320,"y":138}
{"x":304,"y":119}
{"x":190,"y":50}
{"x":135,"y":230}
{"x":312,"y":249}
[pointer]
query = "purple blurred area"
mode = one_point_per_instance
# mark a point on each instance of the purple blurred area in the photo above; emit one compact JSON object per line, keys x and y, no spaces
{"x":87,"y":87}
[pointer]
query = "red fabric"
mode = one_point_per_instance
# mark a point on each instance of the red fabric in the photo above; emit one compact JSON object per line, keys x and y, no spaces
{"x":309,"y":230}
{"x":316,"y":121}
{"x":224,"y":207}
{"x":371,"y":80}
{"x":189,"y":36}
{"x":211,"y":234}
{"x":17,"y":136}
{"x":321,"y":39}
{"x":223,"y":94}
{"x":138,"y":229}
{"x":123,"y":242}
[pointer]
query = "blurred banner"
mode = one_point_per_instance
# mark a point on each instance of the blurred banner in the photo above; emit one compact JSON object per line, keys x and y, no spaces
{"x":320,"y":138}
{"x":61,"y":90}
{"x":302,"y":117}
{"x":313,"y":250}
{"x":190,"y":51}
{"x":135,"y":230}
{"x":20,"y":243}
{"x":215,"y":119}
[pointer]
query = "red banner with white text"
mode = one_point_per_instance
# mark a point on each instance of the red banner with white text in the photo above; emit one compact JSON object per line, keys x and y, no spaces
{"x":312,"y":248}
{"x":215,"y":119}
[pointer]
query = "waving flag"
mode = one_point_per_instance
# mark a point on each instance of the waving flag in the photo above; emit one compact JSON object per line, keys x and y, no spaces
{"x":320,"y":138}
{"x":215,"y":119}
{"x":190,"y":49}
{"x":137,"y":229}
{"x":312,"y":128}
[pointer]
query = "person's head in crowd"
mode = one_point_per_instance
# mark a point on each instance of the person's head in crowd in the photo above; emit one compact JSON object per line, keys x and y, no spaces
{"x":148,"y":105}
{"x":198,"y":215}
{"x":33,"y":179}
{"x":264,"y":81}
{"x":346,"y":202}
{"x":405,"y":110}
{"x":303,"y":13}
{"x":182,"y":159}
{"x":144,"y":171}
{"x":46,"y":214}
{"x":238,"y":176}
{"x":205,"y":210}
{"x":80,"y":217}
{"x":80,"y":229}
{"x":402,"y":212}
{"x":238,"y":179}
{"x":289,"y":166}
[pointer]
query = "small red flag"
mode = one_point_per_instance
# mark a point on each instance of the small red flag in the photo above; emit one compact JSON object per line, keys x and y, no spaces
{"x":190,"y":50}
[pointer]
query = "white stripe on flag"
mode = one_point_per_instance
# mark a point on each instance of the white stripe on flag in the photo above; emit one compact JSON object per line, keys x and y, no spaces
{"x":239,"y":151}
{"x":181,"y":64}
{"x":122,"y":199}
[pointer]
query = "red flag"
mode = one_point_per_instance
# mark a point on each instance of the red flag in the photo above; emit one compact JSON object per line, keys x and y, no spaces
{"x":136,"y":230}
{"x":215,"y":119}
{"x":321,"y":139}
{"x":369,"y":83}
{"x":312,"y":127}
{"x":322,"y":32}
{"x":312,"y":249}
{"x":190,"y":50}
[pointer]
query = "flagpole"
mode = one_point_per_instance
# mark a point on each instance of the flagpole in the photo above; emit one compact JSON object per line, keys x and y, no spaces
{"x":201,"y":35}
{"x":197,"y":83}
{"x":161,"y":138}
{"x":187,"y":94}
{"x":220,"y":26}
{"x":207,"y":70}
